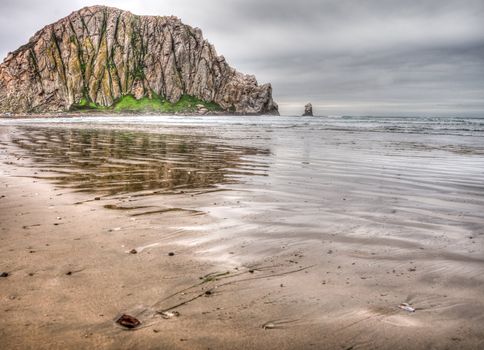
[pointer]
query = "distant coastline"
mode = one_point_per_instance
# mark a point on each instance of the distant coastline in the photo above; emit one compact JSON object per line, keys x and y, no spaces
{"x":119,"y":114}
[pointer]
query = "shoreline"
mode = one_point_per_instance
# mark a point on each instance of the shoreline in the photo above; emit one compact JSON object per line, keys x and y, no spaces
{"x":121,"y":114}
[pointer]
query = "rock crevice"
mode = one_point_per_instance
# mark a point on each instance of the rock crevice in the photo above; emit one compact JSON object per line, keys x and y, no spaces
{"x":100,"y":54}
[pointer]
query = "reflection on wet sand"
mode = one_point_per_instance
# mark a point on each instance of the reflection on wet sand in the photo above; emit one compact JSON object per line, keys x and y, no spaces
{"x":343,"y":228}
{"x":114,"y":161}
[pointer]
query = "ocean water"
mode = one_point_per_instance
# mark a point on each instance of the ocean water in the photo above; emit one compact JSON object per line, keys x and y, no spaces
{"x":466,"y":126}
{"x":408,"y":183}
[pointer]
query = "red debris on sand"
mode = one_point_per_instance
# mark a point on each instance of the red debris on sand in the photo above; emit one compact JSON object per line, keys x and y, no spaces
{"x":128,"y":321}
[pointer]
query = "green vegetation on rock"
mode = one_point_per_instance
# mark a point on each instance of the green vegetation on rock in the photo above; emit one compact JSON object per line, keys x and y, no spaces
{"x":128,"y":103}
{"x":85,"y":104}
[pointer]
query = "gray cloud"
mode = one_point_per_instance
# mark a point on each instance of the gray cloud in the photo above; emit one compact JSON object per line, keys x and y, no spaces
{"x":345,"y":56}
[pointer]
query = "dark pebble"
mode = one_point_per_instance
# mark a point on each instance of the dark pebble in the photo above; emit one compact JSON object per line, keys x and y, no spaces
{"x":128,"y":321}
{"x":4,"y":274}
{"x":133,"y":251}
{"x":171,"y":254}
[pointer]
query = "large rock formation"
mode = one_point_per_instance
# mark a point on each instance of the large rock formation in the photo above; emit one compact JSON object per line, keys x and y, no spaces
{"x":98,"y":54}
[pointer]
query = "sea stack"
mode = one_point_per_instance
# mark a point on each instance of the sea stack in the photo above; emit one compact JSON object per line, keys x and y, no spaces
{"x":98,"y":56}
{"x":308,"y":110}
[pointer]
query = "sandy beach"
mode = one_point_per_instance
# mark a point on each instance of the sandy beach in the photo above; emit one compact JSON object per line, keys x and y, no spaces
{"x":241,"y":233}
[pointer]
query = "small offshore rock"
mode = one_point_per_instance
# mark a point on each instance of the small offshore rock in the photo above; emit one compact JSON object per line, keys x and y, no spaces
{"x":308,"y":110}
{"x":128,"y":321}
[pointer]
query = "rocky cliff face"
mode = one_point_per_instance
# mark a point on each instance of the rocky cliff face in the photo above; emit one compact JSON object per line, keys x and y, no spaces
{"x":98,"y":54}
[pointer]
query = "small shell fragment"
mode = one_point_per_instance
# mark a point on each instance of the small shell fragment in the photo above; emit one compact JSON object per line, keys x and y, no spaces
{"x":169,"y":314}
{"x":268,"y":325}
{"x":406,"y":307}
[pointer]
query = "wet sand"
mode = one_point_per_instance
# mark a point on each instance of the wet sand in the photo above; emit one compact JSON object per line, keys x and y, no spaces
{"x":316,"y":234}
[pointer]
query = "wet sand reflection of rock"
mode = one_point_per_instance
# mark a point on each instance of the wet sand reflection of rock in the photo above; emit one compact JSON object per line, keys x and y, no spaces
{"x":112,"y":162}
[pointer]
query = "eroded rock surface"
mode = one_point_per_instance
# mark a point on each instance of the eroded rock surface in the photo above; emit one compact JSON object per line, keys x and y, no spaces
{"x":99,"y":54}
{"x":308,"y":110}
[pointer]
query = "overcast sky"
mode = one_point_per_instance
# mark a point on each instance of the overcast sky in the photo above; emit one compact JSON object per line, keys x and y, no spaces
{"x":360,"y":57}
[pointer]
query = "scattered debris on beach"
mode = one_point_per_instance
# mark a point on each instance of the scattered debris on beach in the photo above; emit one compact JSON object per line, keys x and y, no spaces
{"x":214,"y":276}
{"x":71,"y":272}
{"x":277,"y":324}
{"x":169,"y":314}
{"x":128,"y":321}
{"x":406,"y":307}
{"x":268,"y":325}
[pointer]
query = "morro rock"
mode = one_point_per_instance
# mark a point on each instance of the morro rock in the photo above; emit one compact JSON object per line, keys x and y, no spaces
{"x":308,"y":110}
{"x":107,"y":59}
